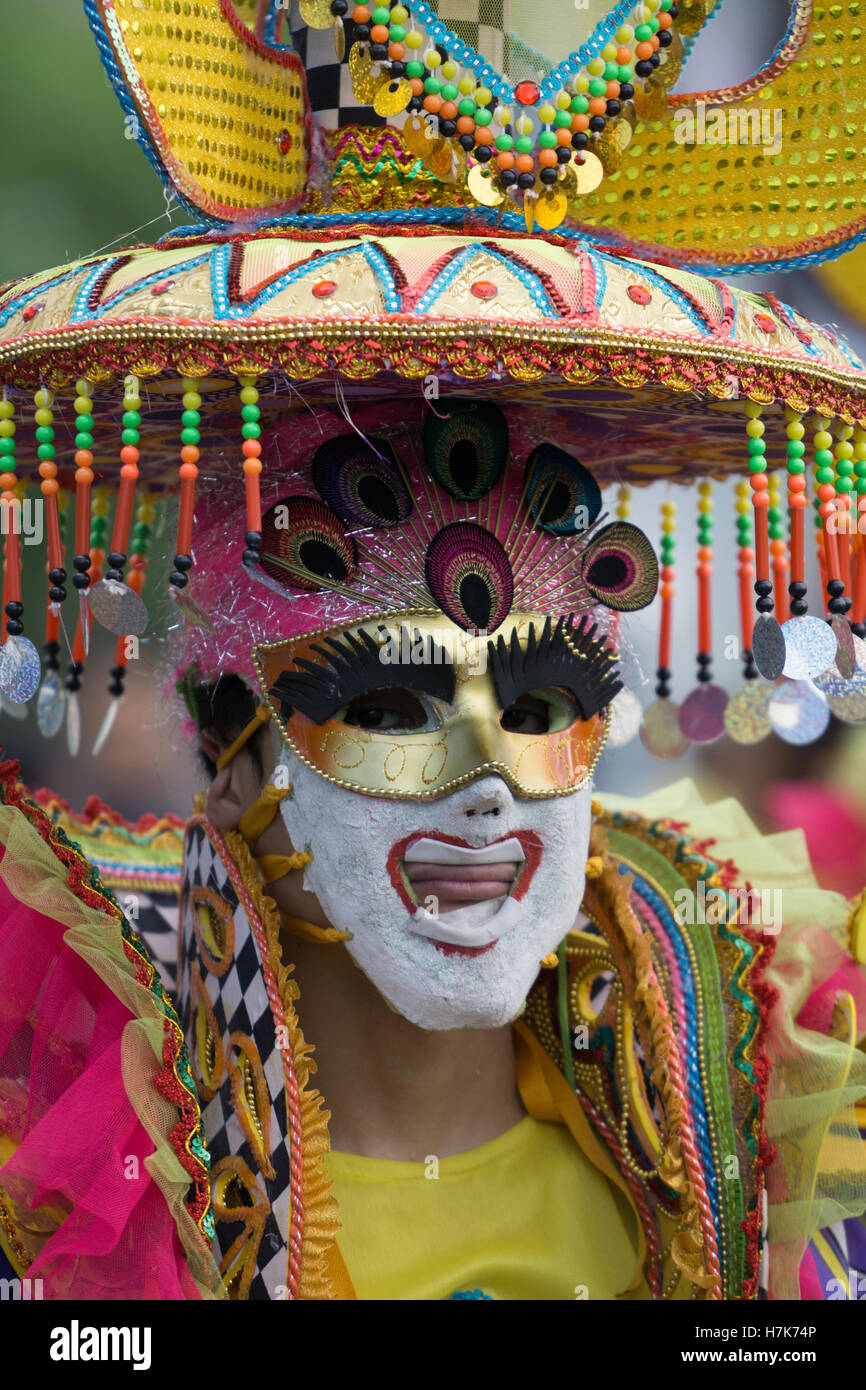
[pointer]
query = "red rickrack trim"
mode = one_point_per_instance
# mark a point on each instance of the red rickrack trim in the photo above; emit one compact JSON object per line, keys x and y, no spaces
{"x":96,"y":809}
{"x":765,"y":996}
{"x":788,"y":319}
{"x":81,"y":871}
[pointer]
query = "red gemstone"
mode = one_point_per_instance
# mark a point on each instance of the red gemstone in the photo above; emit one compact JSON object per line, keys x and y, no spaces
{"x":324,"y":289}
{"x":527,"y":93}
{"x":162,"y":287}
{"x":484,"y":289}
{"x":284,"y":140}
{"x":765,"y":323}
{"x":639,"y":294}
{"x":31,"y":311}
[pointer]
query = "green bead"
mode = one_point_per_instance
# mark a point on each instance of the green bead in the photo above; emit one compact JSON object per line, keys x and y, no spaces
{"x":506,"y":142}
{"x":597,"y":87}
{"x":397,"y":33}
{"x":44,"y":434}
{"x":611,"y":72}
{"x":861,"y":487}
{"x":843,"y":486}
{"x":250,"y":412}
{"x":796,"y":467}
{"x":860,"y":468}
{"x":774,"y":514}
{"x":141,"y":531}
{"x":562,"y":120}
{"x":99,"y":526}
{"x":251,"y":431}
{"x":131,"y":420}
{"x":844,"y":468}
{"x":624,"y":73}
{"x":84,"y":424}
{"x":130,"y":437}
{"x":755,"y":447}
{"x":450,"y":91}
{"x":83,"y":441}
{"x":643,"y":33}
{"x":7,"y":448}
{"x":381,"y":15}
{"x":46,"y":451}
{"x":414,"y":69}
{"x":467,"y":107}
{"x":483,"y":117}
{"x":191,"y":419}
{"x":756,"y":465}
{"x":547,"y":139}
{"x":523,"y":144}
{"x":432,"y":86}
{"x":189,"y":436}
{"x":796,"y":448}
{"x":138,"y":548}
{"x":580,"y":105}
{"x":776,"y":533}
{"x":825,"y":475}
{"x":824,"y":458}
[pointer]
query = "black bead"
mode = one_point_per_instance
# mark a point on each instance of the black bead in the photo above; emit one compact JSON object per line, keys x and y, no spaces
{"x":483,"y":153}
{"x":339,"y":8}
{"x":663,"y":690}
{"x":183,"y":562}
{"x":73,"y":683}
{"x":664,"y":673}
{"x":57,"y":593}
{"x":763,"y":587}
{"x":643,"y":68}
{"x":415,"y":105}
{"x":117,"y":672}
{"x":57,"y":576}
{"x":614,"y":107}
{"x":508,"y":178}
{"x":705,"y":659}
{"x":859,"y":629}
{"x":765,"y":605}
{"x":799,"y":607}
{"x":654,"y":60}
{"x":378,"y":52}
{"x":468,"y":142}
{"x":398,"y":69}
{"x":253,"y":539}
{"x":52,"y":648}
{"x":564,"y":154}
{"x":580,"y":140}
{"x":549,"y":176}
{"x":81,"y":563}
{"x":14,"y":628}
{"x":526,"y":181}
{"x":115,"y":575}
{"x":626,"y":91}
{"x":116,"y":560}
{"x":835,"y":588}
{"x":251,"y":557}
{"x":666,"y":38}
{"x":837,"y":607}
{"x":81,"y":581}
{"x":178,"y":580}
{"x":674,"y":11}
{"x":116,"y":688}
{"x":704,"y":677}
{"x":362,"y":32}
{"x":14,"y":609}
{"x":797,"y":589}
{"x":447,"y":129}
{"x":597,"y":123}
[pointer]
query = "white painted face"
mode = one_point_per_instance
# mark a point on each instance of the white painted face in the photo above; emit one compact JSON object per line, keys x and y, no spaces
{"x":469,"y":967}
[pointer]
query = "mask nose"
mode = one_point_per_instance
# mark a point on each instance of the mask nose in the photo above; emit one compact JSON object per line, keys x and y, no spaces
{"x":485,"y":801}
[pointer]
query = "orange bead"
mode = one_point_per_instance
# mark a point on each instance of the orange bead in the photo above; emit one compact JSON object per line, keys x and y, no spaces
{"x":97,"y":557}
{"x":47,"y":469}
{"x":654,"y":42}
{"x":130,"y":472}
{"x":466,"y":125}
{"x":780,"y":563}
{"x":547,"y":159}
{"x":623,"y":56}
{"x":252,"y":448}
{"x":138,"y":562}
{"x":449,"y":111}
{"x":705,"y":571}
{"x":83,"y":458}
{"x":82,"y":475}
{"x":50,"y":487}
{"x":597,"y":106}
{"x":705,"y":553}
{"x":667,"y":591}
{"x":612,"y":90}
{"x":580,"y":123}
{"x":396,"y":51}
{"x":746,"y":571}
{"x":190,"y":453}
{"x":796,"y":483}
{"x":129,"y":454}
{"x":777,"y":547}
{"x":826,"y":492}
{"x":8,"y":482}
{"x":759,"y":483}
{"x":417,"y":86}
{"x":563,"y":137}
{"x":760,"y":499}
{"x":361,"y":14}
{"x":747,"y":554}
{"x":432,"y":104}
{"x":505,"y":160}
{"x":798,"y":501}
{"x":379,"y":33}
{"x":525,"y":163}
{"x":644,"y":51}
{"x":187,"y":471}
{"x":826,"y":509}
{"x":665,"y":22}
{"x":252,"y":466}
{"x":668,"y":572}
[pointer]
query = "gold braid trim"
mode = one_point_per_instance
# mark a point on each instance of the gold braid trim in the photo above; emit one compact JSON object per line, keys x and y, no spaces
{"x":321,"y":1221}
{"x":612,"y":891}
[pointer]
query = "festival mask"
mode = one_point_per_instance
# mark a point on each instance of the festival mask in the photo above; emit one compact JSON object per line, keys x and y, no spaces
{"x":410,"y":706}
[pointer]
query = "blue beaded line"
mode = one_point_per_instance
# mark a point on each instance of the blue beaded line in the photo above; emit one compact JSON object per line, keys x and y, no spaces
{"x":674,"y":292}
{"x":81,"y":310}
{"x":444,"y":279}
{"x":673,"y":931}
{"x":21,"y":301}
{"x":164,"y":274}
{"x":470,"y":1293}
{"x":221,"y":259}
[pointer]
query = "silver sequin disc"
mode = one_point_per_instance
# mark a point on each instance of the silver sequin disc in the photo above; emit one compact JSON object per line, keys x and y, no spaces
{"x":118,"y":608}
{"x":20,"y":670}
{"x":846,"y":658}
{"x":702,"y":714}
{"x":50,"y":704}
{"x":810,"y":647}
{"x":660,"y":731}
{"x":768,"y":647}
{"x":746,"y":717}
{"x":798,"y":712}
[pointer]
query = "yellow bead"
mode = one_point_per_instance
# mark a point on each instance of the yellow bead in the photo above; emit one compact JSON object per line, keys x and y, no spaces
{"x":744,"y":507}
{"x":43,"y":398}
{"x":608,"y":53}
{"x":753,"y":409}
{"x":705,"y":506}
{"x":668,"y":528}
{"x":99,"y":506}
{"x":450,"y":70}
{"x":432,"y":58}
{"x":844,"y":450}
{"x":249,"y":395}
{"x":466,"y":86}
{"x":823,"y":440}
{"x":483,"y":96}
{"x":581,"y":84}
{"x":623,"y":513}
{"x":755,"y":429}
{"x":146,"y":515}
{"x":547,"y":113}
{"x":563,"y":101}
{"x":7,"y":429}
{"x":83,"y":387}
{"x":624,"y":492}
{"x":191,"y":400}
{"x":705,"y":488}
{"x":132,"y":402}
{"x":595,"y":67}
{"x":624,"y":34}
{"x":669,"y":509}
{"x":524,"y":125}
{"x":795,"y":430}
{"x":505,"y":115}
{"x":7,"y":410}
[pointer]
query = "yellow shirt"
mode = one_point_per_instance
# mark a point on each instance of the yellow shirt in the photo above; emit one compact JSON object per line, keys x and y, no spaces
{"x":527,"y":1216}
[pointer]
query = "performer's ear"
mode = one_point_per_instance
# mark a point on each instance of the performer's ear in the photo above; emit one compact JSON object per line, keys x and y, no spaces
{"x":234,"y":788}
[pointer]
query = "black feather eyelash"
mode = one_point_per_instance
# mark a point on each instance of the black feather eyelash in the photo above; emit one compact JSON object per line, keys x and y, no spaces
{"x":571,"y":658}
{"x":355,"y":668}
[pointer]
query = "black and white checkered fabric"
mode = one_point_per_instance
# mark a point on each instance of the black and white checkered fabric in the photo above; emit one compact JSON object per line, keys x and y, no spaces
{"x":332,"y":99}
{"x":240,"y":1003}
{"x":154,"y":917}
